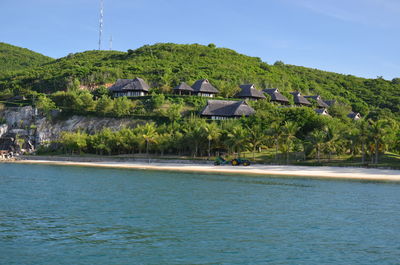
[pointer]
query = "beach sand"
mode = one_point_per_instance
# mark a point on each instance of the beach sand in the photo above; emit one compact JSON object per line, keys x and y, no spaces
{"x":267,"y":170}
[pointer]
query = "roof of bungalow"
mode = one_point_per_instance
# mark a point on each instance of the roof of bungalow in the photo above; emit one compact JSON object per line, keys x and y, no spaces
{"x":204,"y":86}
{"x":183,"y":87}
{"x":227,"y":108}
{"x":354,"y":115}
{"x":318,"y":99}
{"x":322,"y":112}
{"x":136,"y":84}
{"x":299,"y":99}
{"x":330,"y":102}
{"x":276,"y":95}
{"x":250,"y":91}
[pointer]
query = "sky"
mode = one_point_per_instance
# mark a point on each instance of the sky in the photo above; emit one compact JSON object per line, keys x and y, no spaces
{"x":357,"y":37}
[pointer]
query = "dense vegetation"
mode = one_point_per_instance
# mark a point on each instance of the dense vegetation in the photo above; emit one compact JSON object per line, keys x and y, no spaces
{"x":14,"y":58}
{"x":292,"y":134}
{"x":165,"y":65}
{"x":77,"y":84}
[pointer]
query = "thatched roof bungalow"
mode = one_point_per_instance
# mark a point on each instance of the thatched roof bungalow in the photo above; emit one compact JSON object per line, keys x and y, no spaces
{"x":130,"y":88}
{"x":226,"y":109}
{"x":183,"y":89}
{"x":276,"y":96}
{"x":354,"y":116}
{"x":204,"y":88}
{"x":330,"y":103}
{"x":299,"y":99}
{"x":320,"y":103}
{"x":323,"y":112}
{"x":249,"y":91}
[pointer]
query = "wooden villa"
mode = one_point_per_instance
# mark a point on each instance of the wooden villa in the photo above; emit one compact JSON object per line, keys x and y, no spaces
{"x":323,"y":112}
{"x":276,"y":96}
{"x":250,"y":92}
{"x":354,"y":116}
{"x":318,"y":100}
{"x":204,"y":88}
{"x":130,"y":88}
{"x":183,"y":89}
{"x":300,"y":100}
{"x":226,"y":109}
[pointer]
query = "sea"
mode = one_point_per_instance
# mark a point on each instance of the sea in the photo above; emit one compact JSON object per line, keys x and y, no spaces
{"x":82,"y":215}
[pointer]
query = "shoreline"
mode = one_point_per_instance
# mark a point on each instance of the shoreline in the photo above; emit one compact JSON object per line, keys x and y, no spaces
{"x":349,"y":173}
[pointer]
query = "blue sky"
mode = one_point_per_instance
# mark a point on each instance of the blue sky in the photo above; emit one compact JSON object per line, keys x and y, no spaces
{"x":358,"y":37}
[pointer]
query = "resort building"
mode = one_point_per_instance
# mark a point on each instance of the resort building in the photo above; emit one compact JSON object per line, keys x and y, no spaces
{"x":320,"y":103}
{"x":330,"y":103}
{"x":354,"y":116}
{"x":130,"y":88}
{"x":299,"y":100}
{"x":183,"y":89}
{"x":204,"y":88}
{"x":250,"y":92}
{"x":226,"y":109}
{"x":323,"y":112}
{"x":276,"y":96}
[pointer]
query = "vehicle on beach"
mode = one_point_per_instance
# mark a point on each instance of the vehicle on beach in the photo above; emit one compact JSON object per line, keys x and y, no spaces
{"x":234,"y":162}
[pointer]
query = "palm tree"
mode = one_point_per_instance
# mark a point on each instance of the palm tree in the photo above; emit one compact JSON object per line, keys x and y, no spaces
{"x":317,"y":139}
{"x":289,"y":134}
{"x":238,"y":139}
{"x":378,"y":130}
{"x":276,"y":132}
{"x":149,"y":135}
{"x":256,"y":137}
{"x":331,"y":139}
{"x":363,"y":129}
{"x":194,"y":132}
{"x":213,"y":132}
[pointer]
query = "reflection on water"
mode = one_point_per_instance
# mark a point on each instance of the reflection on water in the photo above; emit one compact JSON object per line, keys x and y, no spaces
{"x":71,"y":215}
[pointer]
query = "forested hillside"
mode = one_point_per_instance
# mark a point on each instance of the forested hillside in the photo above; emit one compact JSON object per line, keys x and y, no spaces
{"x":15,"y":58}
{"x":165,"y":65}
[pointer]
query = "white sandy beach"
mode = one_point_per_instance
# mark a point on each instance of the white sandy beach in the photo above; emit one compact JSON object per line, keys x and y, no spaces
{"x":268,"y":170}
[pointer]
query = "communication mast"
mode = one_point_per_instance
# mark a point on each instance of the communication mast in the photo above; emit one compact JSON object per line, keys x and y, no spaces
{"x":111,"y":42}
{"x":101,"y":23}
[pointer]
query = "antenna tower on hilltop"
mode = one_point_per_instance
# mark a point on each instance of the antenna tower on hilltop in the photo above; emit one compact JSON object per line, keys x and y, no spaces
{"x":101,"y":23}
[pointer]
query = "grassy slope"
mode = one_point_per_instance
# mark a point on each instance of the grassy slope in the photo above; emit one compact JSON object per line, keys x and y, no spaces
{"x":14,"y":58}
{"x":165,"y":65}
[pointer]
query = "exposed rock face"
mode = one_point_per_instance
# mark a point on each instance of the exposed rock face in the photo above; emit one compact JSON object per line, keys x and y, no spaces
{"x":3,"y":129}
{"x":35,"y":128}
{"x":49,"y":131}
{"x":19,"y":117}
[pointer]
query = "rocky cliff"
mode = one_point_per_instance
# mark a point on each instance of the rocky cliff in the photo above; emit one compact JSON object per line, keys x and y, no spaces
{"x":32,"y":128}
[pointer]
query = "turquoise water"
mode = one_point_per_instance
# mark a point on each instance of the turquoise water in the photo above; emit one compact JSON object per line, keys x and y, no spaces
{"x":74,"y":215}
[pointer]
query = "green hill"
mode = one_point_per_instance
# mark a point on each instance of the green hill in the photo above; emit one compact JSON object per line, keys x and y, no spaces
{"x":15,"y":58}
{"x":166,"y":65}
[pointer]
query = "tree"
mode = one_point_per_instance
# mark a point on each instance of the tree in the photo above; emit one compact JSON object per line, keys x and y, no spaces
{"x":317,"y":139}
{"x":122,"y":107}
{"x":174,"y":112}
{"x":104,"y":105}
{"x":74,"y":141}
{"x":276,"y":133}
{"x":378,"y":130}
{"x":149,"y":135}
{"x":87,"y":102}
{"x":194,"y":133}
{"x":289,"y":134}
{"x":45,"y":104}
{"x":363,"y":130}
{"x":256,"y":137}
{"x":212,"y":132}
{"x":238,"y":139}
